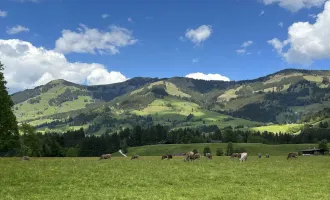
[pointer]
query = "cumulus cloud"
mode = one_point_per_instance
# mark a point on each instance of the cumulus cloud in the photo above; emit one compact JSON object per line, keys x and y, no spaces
{"x":199,"y":34}
{"x":17,"y":29}
{"x":102,"y":76}
{"x":296,"y":5}
{"x":27,"y":66}
{"x":208,"y":77}
{"x":280,"y":24}
{"x":262,"y":13}
{"x":129,"y":19}
{"x":306,"y":42}
{"x":3,"y":13}
{"x":91,"y":40}
{"x":104,"y":16}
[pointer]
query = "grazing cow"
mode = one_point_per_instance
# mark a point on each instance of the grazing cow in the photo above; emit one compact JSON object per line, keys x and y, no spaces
{"x":189,"y":156}
{"x":235,"y":155}
{"x":135,"y":157}
{"x":105,"y":156}
{"x":292,"y":155}
{"x":267,"y":155}
{"x":208,"y":155}
{"x":26,"y":158}
{"x":243,"y":157}
{"x":197,"y":156}
{"x":168,"y":156}
{"x":259,"y":155}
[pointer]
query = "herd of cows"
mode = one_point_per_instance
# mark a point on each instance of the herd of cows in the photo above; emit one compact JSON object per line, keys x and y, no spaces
{"x":191,"y":156}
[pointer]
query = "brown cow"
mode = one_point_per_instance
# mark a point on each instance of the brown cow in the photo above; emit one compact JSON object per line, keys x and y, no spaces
{"x":189,"y":156}
{"x":105,"y":156}
{"x":169,"y":156}
{"x":292,"y":155}
{"x":26,"y":158}
{"x":208,"y":155}
{"x":164,"y":157}
{"x":135,"y":157}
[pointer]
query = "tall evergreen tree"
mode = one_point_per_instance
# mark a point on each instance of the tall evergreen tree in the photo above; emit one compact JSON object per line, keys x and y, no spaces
{"x":9,"y":136}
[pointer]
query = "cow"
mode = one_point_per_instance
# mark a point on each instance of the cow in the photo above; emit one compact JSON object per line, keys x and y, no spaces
{"x":168,"y":156}
{"x":267,"y":155}
{"x":135,"y":157}
{"x":292,"y":155}
{"x":189,"y":156}
{"x":105,"y":156}
{"x":208,"y":155}
{"x":243,"y":157}
{"x":26,"y":158}
{"x":197,"y":156}
{"x":259,"y":155}
{"x":235,"y":155}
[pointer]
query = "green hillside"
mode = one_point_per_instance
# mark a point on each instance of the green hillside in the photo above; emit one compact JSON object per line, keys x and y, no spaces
{"x":283,"y":98}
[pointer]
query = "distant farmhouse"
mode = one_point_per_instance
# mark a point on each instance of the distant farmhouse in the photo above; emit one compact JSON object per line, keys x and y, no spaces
{"x":314,"y":151}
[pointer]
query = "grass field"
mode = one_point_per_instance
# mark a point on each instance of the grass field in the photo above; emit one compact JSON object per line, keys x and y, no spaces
{"x":285,"y":128}
{"x":252,"y":148}
{"x":152,"y":178}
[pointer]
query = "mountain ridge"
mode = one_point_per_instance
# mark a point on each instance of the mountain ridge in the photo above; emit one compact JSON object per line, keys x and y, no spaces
{"x":177,"y":102}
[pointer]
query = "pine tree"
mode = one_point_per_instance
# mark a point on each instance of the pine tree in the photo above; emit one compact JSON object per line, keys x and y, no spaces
{"x":9,"y":136}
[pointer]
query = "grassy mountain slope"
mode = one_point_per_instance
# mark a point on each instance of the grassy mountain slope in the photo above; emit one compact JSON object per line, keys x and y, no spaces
{"x":288,"y":96}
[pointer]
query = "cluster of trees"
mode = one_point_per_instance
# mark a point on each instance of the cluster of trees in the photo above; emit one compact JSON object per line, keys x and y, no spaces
{"x":77,"y":143}
{"x":67,"y":95}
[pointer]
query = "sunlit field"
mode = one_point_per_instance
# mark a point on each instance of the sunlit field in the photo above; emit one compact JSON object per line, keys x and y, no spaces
{"x":152,"y":178}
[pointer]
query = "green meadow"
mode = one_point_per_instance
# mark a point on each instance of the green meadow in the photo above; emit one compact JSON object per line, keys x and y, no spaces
{"x":152,"y":178}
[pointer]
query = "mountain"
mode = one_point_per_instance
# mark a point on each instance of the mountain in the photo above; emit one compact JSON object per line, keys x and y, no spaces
{"x":288,"y":96}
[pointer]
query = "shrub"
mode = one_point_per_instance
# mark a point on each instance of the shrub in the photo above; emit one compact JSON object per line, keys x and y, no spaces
{"x":206,"y":150}
{"x":219,"y":152}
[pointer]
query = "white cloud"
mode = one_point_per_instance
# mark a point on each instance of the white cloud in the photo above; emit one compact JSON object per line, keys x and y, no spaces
{"x":3,"y":13}
{"x":90,"y":40}
{"x":33,"y":1}
{"x":306,"y":42}
{"x":295,"y":5}
{"x":102,"y":76}
{"x":240,"y":51}
{"x":280,"y":24}
{"x":195,"y":60}
{"x":104,"y":16}
{"x":247,"y":43}
{"x":262,"y":13}
{"x":312,"y":16}
{"x":129,"y":19}
{"x":27,"y":66}
{"x":199,"y":34}
{"x":17,"y":29}
{"x":207,"y":77}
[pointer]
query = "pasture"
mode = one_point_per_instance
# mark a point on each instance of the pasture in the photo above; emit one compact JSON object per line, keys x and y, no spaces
{"x":152,"y":178}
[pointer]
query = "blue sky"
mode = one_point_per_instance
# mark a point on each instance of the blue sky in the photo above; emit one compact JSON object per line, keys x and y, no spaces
{"x":153,"y":38}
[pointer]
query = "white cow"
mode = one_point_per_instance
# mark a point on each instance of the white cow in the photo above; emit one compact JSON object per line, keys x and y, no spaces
{"x":243,"y":157}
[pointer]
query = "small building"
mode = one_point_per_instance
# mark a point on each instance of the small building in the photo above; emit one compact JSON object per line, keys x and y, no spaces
{"x":314,"y":151}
